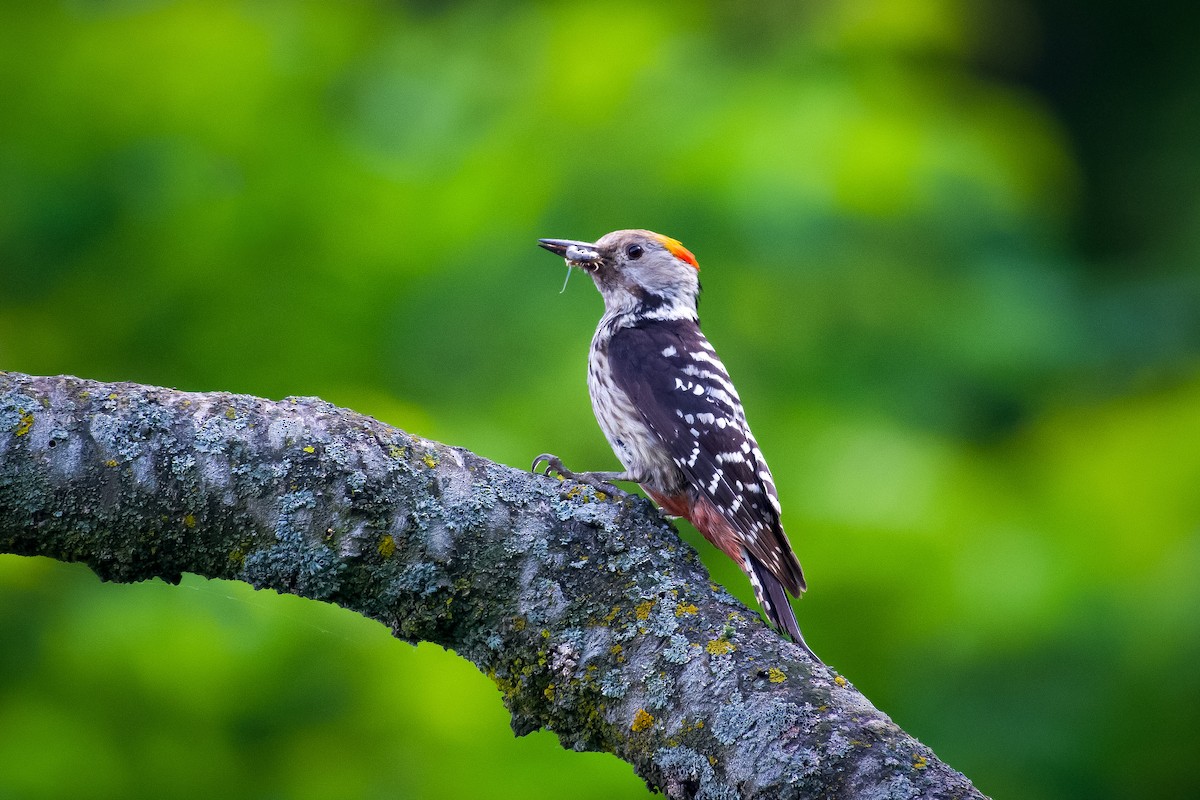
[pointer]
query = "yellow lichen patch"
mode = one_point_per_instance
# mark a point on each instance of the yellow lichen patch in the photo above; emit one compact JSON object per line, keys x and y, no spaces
{"x":396,"y":451}
{"x":110,"y":463}
{"x":519,"y":624}
{"x":508,"y":686}
{"x":113,"y":396}
{"x":685,"y":608}
{"x":189,"y":520}
{"x":643,"y":609}
{"x":231,"y":413}
{"x":386,"y":546}
{"x":776,"y":675}
{"x":549,"y":692}
{"x":641,"y":721}
{"x":25,"y":424}
{"x":429,"y":460}
{"x":310,"y":449}
{"x":920,"y":762}
{"x":615,"y":649}
{"x":839,"y":680}
{"x":610,"y":616}
{"x":719,"y":647}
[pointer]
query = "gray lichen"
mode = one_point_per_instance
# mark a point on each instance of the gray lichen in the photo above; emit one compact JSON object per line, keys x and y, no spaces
{"x":591,"y":616}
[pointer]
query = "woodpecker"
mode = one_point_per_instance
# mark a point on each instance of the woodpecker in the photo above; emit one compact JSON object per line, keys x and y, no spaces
{"x":668,"y":409}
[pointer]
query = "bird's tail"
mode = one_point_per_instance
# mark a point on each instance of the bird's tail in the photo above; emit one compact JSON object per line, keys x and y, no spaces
{"x":774,"y":601}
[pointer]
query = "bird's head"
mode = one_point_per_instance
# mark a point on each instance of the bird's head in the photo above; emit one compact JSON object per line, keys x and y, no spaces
{"x":636,"y":270}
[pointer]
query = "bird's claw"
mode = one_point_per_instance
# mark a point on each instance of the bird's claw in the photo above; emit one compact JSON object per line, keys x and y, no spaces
{"x":554,"y":466}
{"x":601,"y":485}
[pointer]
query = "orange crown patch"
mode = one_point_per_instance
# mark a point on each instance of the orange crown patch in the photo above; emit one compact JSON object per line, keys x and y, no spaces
{"x":676,"y":248}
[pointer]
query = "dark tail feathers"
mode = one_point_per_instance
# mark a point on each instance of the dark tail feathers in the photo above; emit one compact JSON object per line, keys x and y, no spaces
{"x":774,"y":600}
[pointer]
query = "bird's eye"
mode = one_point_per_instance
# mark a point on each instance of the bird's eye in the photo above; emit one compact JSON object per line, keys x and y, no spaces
{"x":634,"y":252}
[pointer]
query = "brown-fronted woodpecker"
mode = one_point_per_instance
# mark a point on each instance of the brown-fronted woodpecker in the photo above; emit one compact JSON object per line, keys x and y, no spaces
{"x":668,"y":409}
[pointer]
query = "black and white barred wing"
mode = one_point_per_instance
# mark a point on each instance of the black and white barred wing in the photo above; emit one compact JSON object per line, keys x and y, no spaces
{"x":674,"y":378}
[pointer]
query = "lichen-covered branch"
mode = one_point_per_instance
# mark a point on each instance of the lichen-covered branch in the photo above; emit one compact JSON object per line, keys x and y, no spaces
{"x":591,"y":616}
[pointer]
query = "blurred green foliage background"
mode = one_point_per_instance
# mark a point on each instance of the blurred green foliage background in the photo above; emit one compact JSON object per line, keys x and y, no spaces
{"x":949,"y":251}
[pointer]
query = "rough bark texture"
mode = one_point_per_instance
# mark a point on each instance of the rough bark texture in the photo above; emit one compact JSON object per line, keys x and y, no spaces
{"x":591,"y":616}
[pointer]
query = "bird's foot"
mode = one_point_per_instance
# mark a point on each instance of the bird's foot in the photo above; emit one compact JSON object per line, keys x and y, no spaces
{"x":596,"y":480}
{"x":554,"y":466}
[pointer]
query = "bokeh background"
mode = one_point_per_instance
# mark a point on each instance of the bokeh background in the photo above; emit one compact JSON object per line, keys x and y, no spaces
{"x":949,"y":251}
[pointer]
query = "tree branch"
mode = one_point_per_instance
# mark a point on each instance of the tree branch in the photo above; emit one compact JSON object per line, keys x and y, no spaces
{"x":591,"y":616}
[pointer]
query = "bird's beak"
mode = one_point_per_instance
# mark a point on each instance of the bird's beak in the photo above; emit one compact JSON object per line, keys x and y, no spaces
{"x":577,"y":254}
